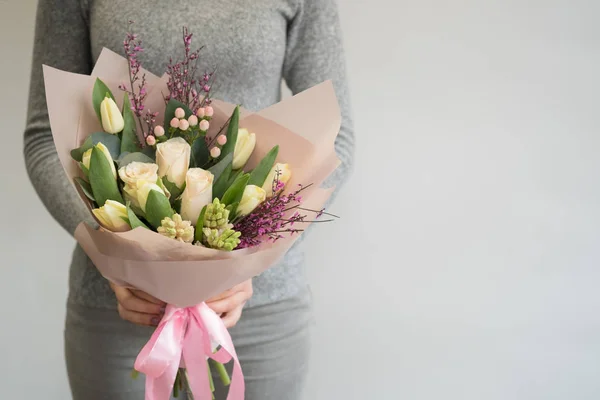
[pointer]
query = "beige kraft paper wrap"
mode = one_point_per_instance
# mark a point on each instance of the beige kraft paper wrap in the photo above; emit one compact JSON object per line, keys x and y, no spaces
{"x":304,"y":126}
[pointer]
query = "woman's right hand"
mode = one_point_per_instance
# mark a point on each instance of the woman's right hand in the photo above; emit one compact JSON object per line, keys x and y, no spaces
{"x":138,"y":307}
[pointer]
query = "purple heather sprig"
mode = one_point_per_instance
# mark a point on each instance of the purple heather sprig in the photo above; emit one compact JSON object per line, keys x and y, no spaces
{"x":137,"y":94}
{"x":184,"y":86}
{"x":268,"y":220}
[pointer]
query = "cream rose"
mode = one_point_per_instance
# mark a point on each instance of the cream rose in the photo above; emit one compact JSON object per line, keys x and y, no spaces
{"x":252,"y":197}
{"x":113,"y":216}
{"x":133,"y":172}
{"x":173,"y":159}
{"x":197,"y":193}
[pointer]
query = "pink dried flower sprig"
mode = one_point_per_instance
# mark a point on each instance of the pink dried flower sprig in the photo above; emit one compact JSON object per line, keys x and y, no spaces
{"x":184,"y":85}
{"x":137,"y":91}
{"x":268,"y":221}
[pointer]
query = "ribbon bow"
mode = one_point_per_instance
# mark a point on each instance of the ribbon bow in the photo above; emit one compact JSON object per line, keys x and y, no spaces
{"x":188,"y":334}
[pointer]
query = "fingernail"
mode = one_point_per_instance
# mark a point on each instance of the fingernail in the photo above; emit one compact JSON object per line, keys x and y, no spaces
{"x":162,"y":309}
{"x":154,"y":320}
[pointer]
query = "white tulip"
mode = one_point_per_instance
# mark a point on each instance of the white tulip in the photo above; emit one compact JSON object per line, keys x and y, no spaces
{"x":282,"y":172}
{"x":142,"y":192}
{"x":252,"y":197}
{"x":197,"y":194}
{"x":244,"y":146}
{"x":87,"y":156}
{"x":173,"y":159}
{"x":112,"y":215}
{"x":112,"y":120}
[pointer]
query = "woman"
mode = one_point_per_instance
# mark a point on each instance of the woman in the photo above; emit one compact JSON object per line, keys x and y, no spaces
{"x":255,"y":46}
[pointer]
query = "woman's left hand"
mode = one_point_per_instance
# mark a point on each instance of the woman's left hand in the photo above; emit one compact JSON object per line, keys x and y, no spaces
{"x":230,"y":303}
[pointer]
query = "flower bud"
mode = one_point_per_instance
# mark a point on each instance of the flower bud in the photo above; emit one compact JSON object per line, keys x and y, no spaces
{"x":112,"y":216}
{"x":184,"y":125}
{"x":150,"y":140}
{"x":243,"y":148}
{"x":204,"y":125}
{"x":179,"y":113}
{"x":252,"y":197}
{"x":112,"y":120}
{"x":193,"y":120}
{"x":215,"y":152}
{"x":277,"y":179}
{"x":159,"y":131}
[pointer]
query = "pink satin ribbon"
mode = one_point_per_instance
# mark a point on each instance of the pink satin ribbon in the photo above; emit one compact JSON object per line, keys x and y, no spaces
{"x":185,"y":334}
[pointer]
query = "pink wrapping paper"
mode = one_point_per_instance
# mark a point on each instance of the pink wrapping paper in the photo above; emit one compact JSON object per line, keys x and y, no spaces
{"x":304,"y":126}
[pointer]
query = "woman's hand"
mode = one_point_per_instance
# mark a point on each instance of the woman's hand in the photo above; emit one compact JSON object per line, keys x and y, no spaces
{"x":138,"y":307}
{"x":142,"y":309}
{"x":229,"y":304}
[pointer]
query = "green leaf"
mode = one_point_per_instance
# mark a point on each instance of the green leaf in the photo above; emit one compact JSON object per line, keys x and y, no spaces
{"x":233,"y":210}
{"x":150,"y":152}
{"x":221,"y":184}
{"x":157,"y":208}
{"x":173,"y":105}
{"x":232,"y":133}
{"x":129,"y":140}
{"x":221,"y":166}
{"x":198,"y":234}
{"x":128,"y":158}
{"x":134,"y":221}
{"x":84,"y":169}
{"x":100,"y":92}
{"x":103,"y":183}
{"x":260,"y":173}
{"x":86,"y":188}
{"x":236,"y":191}
{"x":200,"y":154}
{"x":112,"y":143}
{"x":233,"y":177}
{"x":173,"y":189}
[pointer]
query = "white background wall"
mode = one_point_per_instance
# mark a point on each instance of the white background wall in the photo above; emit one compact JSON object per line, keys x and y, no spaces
{"x":466,"y":265}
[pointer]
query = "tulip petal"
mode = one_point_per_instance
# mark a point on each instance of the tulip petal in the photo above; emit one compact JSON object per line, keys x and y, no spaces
{"x":99,"y":93}
{"x":262,"y":170}
{"x":102,"y":180}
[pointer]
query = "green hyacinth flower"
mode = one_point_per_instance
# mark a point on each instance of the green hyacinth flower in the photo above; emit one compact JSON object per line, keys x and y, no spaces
{"x":227,"y":239}
{"x":216,"y":216}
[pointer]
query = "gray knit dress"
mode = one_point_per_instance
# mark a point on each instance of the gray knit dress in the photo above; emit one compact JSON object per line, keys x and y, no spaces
{"x":255,"y":45}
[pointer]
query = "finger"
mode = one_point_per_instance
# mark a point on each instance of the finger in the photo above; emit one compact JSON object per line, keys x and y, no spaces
{"x":231,"y":319}
{"x":139,"y":318}
{"x":133,"y":303}
{"x":244,"y":286}
{"x":146,"y":296}
{"x":230,"y":303}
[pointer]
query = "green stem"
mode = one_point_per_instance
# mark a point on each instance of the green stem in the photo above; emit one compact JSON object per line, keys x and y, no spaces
{"x":223,"y":374}
{"x":210,"y":379}
{"x":176,"y":385}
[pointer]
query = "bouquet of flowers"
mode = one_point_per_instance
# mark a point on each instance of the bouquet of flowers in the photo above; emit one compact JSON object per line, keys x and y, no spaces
{"x":192,"y":195}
